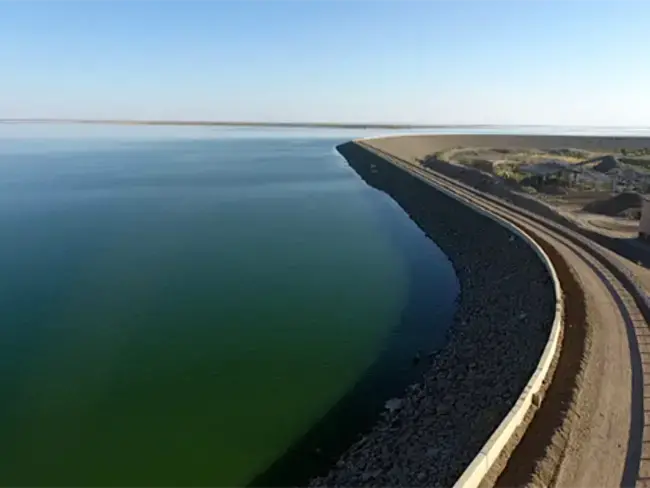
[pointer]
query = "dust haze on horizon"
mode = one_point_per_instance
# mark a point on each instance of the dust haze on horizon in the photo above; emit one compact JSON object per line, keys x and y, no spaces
{"x":347,"y":62}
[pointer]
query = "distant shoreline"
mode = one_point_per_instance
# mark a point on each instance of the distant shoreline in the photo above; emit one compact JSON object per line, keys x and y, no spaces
{"x":321,"y":125}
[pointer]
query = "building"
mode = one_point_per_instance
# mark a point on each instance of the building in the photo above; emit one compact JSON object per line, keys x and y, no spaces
{"x":571,"y":175}
{"x":543,"y":172}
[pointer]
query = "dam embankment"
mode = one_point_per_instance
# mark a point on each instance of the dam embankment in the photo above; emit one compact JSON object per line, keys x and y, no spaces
{"x":502,"y":323}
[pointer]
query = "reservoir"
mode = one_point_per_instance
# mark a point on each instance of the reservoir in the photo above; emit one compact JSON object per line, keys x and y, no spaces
{"x":182,"y":306}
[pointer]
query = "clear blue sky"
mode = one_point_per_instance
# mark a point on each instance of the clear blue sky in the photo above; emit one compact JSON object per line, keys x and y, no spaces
{"x":505,"y":62}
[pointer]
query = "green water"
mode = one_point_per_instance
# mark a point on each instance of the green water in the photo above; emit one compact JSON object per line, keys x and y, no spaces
{"x":179,"y":311}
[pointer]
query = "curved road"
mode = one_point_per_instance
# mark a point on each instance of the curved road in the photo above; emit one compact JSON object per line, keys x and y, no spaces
{"x":601,"y":440}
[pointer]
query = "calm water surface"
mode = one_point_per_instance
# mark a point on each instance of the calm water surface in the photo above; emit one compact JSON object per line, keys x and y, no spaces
{"x":179,"y":307}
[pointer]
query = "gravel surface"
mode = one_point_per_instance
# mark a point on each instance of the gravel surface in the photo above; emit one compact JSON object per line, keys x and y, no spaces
{"x":504,"y":315}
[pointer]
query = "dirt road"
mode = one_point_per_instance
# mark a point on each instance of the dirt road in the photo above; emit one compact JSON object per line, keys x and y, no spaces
{"x":601,"y":433}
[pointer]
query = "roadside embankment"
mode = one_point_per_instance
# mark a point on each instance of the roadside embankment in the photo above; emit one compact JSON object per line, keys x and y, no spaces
{"x":502,"y":324}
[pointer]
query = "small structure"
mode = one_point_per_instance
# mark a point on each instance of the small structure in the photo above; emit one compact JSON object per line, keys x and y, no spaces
{"x":554,"y":171}
{"x":590,"y":178}
{"x":549,"y":170}
{"x":644,"y":223}
{"x":545,"y":168}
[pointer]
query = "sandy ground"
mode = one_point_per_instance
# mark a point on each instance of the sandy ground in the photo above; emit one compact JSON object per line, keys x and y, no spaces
{"x":596,"y":450}
{"x":617,"y":227}
{"x":598,"y":441}
{"x":612,"y":227}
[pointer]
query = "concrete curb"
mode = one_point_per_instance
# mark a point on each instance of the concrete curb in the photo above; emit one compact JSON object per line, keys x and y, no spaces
{"x":481,"y":464}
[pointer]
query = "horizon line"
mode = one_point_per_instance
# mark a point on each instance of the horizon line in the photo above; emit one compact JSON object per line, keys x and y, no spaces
{"x":378,"y":125}
{"x":350,"y":125}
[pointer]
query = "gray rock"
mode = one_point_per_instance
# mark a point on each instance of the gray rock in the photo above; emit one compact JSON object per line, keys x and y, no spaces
{"x":394,"y":404}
